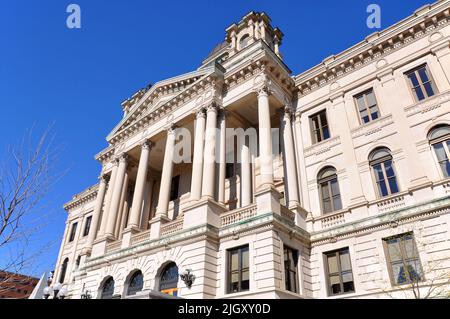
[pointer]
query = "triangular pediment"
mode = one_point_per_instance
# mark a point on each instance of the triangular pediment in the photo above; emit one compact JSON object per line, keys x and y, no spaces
{"x":160,"y":93}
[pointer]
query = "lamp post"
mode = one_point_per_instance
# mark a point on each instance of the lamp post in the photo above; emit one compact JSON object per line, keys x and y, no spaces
{"x":59,"y":292}
{"x":188,"y":277}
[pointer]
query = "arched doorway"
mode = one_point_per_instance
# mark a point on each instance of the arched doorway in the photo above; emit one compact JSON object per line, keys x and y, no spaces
{"x":107,"y":290}
{"x":169,"y":280}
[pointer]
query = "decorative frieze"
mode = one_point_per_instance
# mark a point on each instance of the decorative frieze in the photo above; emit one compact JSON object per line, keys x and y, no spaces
{"x":85,"y":196}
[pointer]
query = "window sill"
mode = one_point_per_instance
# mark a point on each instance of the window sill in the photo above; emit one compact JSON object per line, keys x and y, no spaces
{"x":372,"y":127}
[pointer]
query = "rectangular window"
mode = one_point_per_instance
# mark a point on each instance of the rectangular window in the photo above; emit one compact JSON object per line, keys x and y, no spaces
{"x":403,"y":259}
{"x":73,"y":232}
{"x":174,"y":187}
{"x":367,"y":106}
{"x":421,"y":83}
{"x":290,"y":269}
{"x":319,"y":127}
{"x":87,"y":226}
{"x":229,"y":170}
{"x":339,"y":272}
{"x":238,"y":269}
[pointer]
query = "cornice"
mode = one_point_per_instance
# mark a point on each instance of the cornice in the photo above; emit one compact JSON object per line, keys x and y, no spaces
{"x":85,"y":196}
{"x":106,"y":154}
{"x":423,"y":22}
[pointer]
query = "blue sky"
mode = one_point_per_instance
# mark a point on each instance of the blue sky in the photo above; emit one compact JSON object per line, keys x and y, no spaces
{"x":76,"y":79}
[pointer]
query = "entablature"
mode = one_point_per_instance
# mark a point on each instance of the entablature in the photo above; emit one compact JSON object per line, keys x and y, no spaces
{"x":424,"y":22}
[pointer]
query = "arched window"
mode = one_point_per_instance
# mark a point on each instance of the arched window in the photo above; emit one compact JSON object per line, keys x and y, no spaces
{"x":136,"y":283}
{"x":108,"y":288}
{"x":77,"y":262}
{"x":381,"y":162}
{"x":169,"y":279}
{"x":439,"y":138}
{"x":63,"y":270}
{"x":243,"y":42}
{"x":330,"y":195}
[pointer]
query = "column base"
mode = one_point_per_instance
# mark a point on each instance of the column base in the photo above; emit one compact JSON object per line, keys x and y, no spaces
{"x":127,"y":234}
{"x":268,"y":200}
{"x":300,"y":215}
{"x":155,"y":225}
{"x":204,"y":211}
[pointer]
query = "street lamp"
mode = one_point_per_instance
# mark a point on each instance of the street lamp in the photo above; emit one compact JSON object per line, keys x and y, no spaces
{"x":188,"y":277}
{"x":59,"y":292}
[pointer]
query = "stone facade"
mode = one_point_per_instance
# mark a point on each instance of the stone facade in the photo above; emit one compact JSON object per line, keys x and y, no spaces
{"x":316,"y":218}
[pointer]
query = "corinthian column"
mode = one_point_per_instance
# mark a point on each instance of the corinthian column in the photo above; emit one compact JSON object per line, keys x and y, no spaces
{"x":117,"y":192}
{"x":141,"y":178}
{"x":222,"y":157}
{"x":197,"y":164}
{"x":289,"y":159}
{"x":166,"y":177}
{"x":111,"y":184}
{"x":265,"y":138}
{"x":246,"y":182}
{"x":97,"y":211}
{"x":209,"y":164}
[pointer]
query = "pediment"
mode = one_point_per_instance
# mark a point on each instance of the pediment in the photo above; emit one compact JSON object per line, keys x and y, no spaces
{"x":158,"y":95}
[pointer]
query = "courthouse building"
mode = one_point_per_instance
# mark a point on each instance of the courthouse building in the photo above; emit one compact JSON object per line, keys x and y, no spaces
{"x":355,"y":203}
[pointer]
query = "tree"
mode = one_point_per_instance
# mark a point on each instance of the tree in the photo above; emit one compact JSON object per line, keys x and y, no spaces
{"x":25,"y":179}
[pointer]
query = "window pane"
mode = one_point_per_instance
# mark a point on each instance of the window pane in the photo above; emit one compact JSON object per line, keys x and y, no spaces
{"x":332,"y":264}
{"x":345,"y":260}
{"x":337,"y":202}
{"x":245,"y":258}
{"x":378,"y":172}
{"x":365,"y":116}
{"x":429,"y":89}
{"x":326,"y":133}
{"x":335,"y":285}
{"x":323,"y":118}
{"x":234,"y":261}
{"x":413,"y":269}
{"x":413,"y":79}
{"x":399,"y":274}
{"x":395,"y":253}
{"x":315,"y":122}
{"x":440,"y":152}
{"x":374,"y":115}
{"x":325,"y":191}
{"x":393,"y":185}
{"x":389,"y":169}
{"x":423,"y":74}
{"x":419,"y":94}
{"x":371,"y":99}
{"x":347,"y":280}
{"x":382,"y":188}
{"x":408,"y":243}
{"x":334,"y":187}
{"x":327,"y":206}
{"x":361,"y":103}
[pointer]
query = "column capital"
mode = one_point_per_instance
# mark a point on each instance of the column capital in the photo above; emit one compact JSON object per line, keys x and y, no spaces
{"x":223,"y":112}
{"x":171,"y":128}
{"x":122,"y":158}
{"x":147,"y":145}
{"x":199,"y":112}
{"x":212,"y":107}
{"x":104,"y":178}
{"x":263,"y":89}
